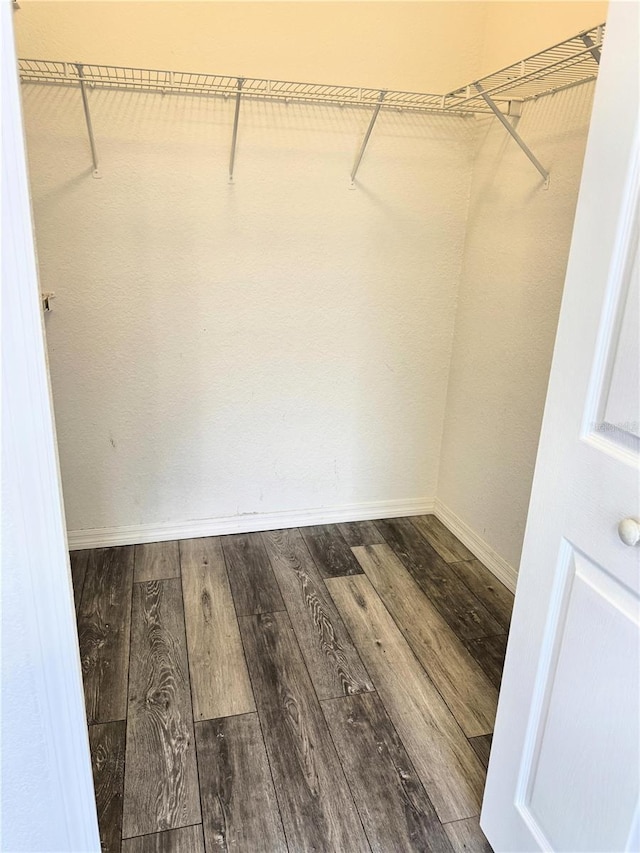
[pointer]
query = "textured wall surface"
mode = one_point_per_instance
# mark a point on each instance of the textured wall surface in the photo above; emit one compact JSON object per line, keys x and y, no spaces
{"x":515,"y":258}
{"x":285,"y":344}
{"x":278,"y":344}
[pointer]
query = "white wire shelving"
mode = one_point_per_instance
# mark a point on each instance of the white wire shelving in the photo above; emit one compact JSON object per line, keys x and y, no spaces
{"x":189,"y":83}
{"x":566,"y":64}
{"x":569,"y":63}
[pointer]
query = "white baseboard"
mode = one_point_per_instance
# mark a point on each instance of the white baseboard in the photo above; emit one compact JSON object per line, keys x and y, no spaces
{"x":505,"y":572}
{"x":136,"y":534}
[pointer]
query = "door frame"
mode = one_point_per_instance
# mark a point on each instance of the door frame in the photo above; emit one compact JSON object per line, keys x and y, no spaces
{"x":52,"y":800}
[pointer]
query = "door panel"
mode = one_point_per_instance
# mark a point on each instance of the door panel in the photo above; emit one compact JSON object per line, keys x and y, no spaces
{"x":563,"y":773}
{"x":598,"y":618}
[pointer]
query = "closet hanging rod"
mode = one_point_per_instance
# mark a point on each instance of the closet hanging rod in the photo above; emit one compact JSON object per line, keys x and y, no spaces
{"x":182,"y":82}
{"x":569,"y":63}
{"x":499,"y":87}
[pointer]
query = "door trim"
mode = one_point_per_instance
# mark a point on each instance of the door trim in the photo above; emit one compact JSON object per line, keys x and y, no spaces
{"x":34,"y":547}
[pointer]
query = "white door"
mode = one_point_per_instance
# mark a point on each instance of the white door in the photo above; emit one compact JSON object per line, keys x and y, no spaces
{"x":565,"y":765}
{"x":47,"y":799}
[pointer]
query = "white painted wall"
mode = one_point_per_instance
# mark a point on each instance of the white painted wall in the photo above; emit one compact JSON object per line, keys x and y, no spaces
{"x":283,"y":345}
{"x":280,"y":344}
{"x":515,"y":257}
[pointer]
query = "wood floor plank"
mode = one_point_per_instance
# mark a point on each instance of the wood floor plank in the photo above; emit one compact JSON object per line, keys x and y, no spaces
{"x":333,"y":663}
{"x":486,"y":587}
{"x":445,"y":762}
{"x":239,"y":807}
{"x":393,"y":805}
{"x":188,"y":839}
{"x":156,"y":561}
{"x":330,"y":551}
{"x":468,"y":692}
{"x":360,"y":533}
{"x":220,"y":683}
{"x":106,"y":741}
{"x":316,"y":806}
{"x":490,"y":652}
{"x":103,"y":633}
{"x":482,"y":746}
{"x":442,"y":539}
{"x":252,"y":580}
{"x":160,"y":780}
{"x":79,"y":562}
{"x":456,"y":603}
{"x":467,"y":837}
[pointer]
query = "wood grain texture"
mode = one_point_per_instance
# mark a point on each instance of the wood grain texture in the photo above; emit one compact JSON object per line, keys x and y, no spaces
{"x":393,"y":805}
{"x":156,"y":561}
{"x":357,"y":533}
{"x":467,"y":837}
{"x":445,"y":762}
{"x":160,"y":780}
{"x":188,"y":839}
{"x":79,"y":562}
{"x":468,"y":692}
{"x":220,"y":683}
{"x":459,"y":607}
{"x":239,"y":807}
{"x":103,"y":633}
{"x":490,"y":652}
{"x":106,"y":741}
{"x":448,"y":546}
{"x":331,"y":553}
{"x":316,"y":806}
{"x":497,"y":599}
{"x":252,"y":580}
{"x":482,"y":747}
{"x":333,"y":663}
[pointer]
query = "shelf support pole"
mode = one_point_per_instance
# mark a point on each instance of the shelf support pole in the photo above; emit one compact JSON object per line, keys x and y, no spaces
{"x":511,"y":130}
{"x":87,"y":116}
{"x":365,"y":141}
{"x":234,"y":137}
{"x":595,"y":50}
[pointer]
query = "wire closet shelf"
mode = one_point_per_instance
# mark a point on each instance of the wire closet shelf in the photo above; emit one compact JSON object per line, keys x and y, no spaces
{"x":569,"y":63}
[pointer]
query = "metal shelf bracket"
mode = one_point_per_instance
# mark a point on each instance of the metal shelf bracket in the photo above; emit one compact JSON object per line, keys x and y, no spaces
{"x":511,"y":130}
{"x":593,"y":47}
{"x":87,"y":116}
{"x":365,"y":141}
{"x":234,"y":137}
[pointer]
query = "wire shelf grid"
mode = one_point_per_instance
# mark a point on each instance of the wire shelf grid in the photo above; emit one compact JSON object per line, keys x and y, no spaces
{"x":569,"y":63}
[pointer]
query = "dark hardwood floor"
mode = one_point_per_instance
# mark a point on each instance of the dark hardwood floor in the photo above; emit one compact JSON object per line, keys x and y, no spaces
{"x":331,"y":688}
